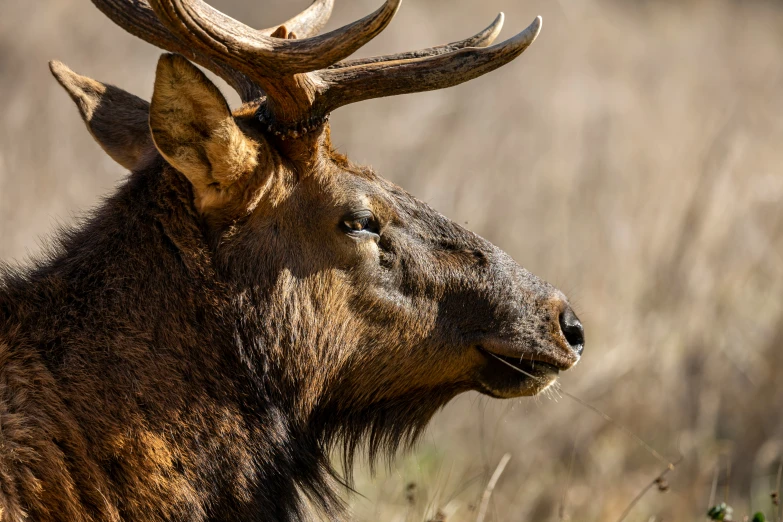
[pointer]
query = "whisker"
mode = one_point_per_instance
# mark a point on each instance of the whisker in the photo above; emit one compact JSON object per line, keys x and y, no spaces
{"x":606,"y":417}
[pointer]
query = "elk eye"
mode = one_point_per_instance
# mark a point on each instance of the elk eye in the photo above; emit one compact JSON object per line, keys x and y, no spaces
{"x":361,"y":223}
{"x":358,"y":225}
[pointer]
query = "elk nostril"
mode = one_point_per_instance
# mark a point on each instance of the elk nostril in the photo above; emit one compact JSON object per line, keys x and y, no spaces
{"x":573,"y":331}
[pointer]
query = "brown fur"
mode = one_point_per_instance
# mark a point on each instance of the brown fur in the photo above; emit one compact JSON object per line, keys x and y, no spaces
{"x":193,"y":352}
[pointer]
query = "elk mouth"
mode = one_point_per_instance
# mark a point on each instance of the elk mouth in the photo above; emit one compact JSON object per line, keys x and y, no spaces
{"x":503,"y":376}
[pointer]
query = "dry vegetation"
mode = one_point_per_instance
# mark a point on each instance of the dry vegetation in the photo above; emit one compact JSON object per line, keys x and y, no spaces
{"x":632,"y":157}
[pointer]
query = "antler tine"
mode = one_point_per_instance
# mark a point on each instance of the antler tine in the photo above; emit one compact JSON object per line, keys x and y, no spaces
{"x":481,"y":39}
{"x":298,"y":82}
{"x":138,"y":18}
{"x":309,"y":22}
{"x":260,"y":56}
{"x":390,"y":78}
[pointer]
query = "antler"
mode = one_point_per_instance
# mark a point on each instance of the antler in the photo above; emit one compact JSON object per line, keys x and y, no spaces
{"x":378,"y":79}
{"x":309,"y":22}
{"x":482,"y":39}
{"x":304,"y":76}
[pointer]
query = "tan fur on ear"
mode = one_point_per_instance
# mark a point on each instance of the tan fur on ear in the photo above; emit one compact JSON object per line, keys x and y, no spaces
{"x":115,"y":118}
{"x":194,"y":130}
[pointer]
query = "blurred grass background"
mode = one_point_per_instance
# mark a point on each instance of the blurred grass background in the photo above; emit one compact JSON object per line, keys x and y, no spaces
{"x":632,"y":157}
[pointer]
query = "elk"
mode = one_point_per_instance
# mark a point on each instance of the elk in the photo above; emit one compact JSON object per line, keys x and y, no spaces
{"x":249,"y":301}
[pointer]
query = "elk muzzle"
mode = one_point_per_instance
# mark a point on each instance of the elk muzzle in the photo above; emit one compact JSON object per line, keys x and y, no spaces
{"x":541,"y":337}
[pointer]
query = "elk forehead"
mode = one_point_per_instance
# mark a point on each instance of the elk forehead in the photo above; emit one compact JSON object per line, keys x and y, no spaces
{"x":361,"y":189}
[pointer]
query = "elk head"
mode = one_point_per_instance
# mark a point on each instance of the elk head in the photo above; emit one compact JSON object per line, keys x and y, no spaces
{"x":369,"y":309}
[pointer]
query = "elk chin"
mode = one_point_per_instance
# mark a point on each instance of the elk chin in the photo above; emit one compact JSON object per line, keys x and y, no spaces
{"x":507,"y":378}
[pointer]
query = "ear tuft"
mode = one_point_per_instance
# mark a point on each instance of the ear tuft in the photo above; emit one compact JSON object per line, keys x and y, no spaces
{"x":85,"y":92}
{"x":193,"y":128}
{"x":115,"y":118}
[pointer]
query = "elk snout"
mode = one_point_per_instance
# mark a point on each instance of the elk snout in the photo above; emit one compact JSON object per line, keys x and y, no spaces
{"x":572,"y":330}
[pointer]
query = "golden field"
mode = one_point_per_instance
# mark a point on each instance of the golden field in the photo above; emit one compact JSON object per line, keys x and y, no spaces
{"x":633,"y":157}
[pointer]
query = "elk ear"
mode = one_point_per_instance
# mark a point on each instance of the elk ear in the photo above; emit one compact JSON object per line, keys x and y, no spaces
{"x":193,"y":128}
{"x":115,"y":118}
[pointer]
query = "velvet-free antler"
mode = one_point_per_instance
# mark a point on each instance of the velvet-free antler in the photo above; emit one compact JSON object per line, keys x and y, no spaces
{"x":303,"y":75}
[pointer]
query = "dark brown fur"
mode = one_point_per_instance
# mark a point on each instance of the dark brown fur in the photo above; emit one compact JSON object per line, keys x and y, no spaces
{"x":177,"y":360}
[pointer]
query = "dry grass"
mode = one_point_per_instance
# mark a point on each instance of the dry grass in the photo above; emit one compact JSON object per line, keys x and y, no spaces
{"x":633,"y":157}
